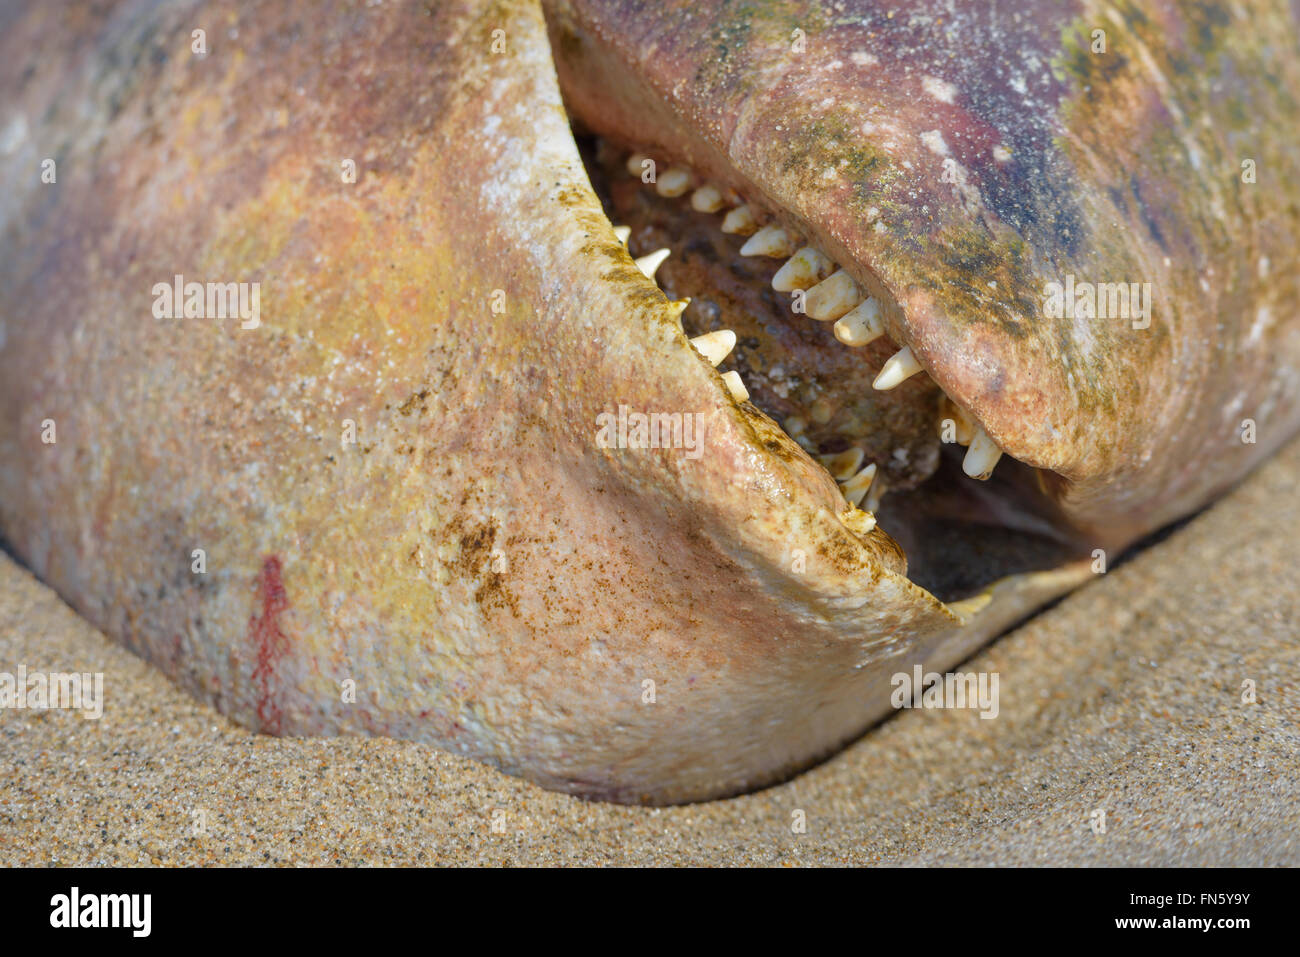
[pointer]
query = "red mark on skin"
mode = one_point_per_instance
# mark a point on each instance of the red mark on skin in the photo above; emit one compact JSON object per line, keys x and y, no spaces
{"x":265,"y":635}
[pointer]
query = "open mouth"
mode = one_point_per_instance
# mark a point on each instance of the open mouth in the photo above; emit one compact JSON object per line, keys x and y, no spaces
{"x":798,"y":337}
{"x":400,"y":482}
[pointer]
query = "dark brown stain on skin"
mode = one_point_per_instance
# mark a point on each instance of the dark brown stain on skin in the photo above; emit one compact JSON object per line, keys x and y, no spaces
{"x":416,"y":399}
{"x":493,"y":594}
{"x":473,"y":563}
{"x":475,"y":549}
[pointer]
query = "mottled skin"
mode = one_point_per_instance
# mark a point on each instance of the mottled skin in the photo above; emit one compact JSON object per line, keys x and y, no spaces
{"x":492,"y":581}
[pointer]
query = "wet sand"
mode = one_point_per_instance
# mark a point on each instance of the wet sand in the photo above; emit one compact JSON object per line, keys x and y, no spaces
{"x":1124,"y":698}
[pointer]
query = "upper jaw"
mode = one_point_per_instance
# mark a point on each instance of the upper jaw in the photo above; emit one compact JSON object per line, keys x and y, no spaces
{"x":822,"y":191}
{"x":957,"y":213}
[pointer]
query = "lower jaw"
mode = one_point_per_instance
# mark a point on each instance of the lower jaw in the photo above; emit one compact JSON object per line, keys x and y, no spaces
{"x":896,"y":451}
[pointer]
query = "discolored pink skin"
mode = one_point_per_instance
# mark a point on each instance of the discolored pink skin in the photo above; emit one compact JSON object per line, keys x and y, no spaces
{"x":958,"y":157}
{"x":491,"y":579}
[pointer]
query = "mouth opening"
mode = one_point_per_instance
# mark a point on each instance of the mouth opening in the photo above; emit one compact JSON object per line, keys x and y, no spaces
{"x":795,"y":335}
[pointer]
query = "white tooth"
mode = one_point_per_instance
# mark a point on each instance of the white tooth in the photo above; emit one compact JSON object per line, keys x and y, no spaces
{"x":807,"y":444}
{"x":623,"y":232}
{"x":981,"y":456}
{"x":843,"y":465}
{"x":673,"y":182}
{"x":649,"y":264}
{"x":963,"y":425}
{"x":860,"y":325}
{"x":856,"y":488}
{"x":740,"y":221}
{"x":635,"y":164}
{"x":768,"y":241}
{"x":805,"y":268}
{"x":715,"y":346}
{"x":901,"y":365}
{"x":706,"y":199}
{"x":833,"y":297}
{"x":877,"y":492}
{"x":794,"y":426}
{"x":736,"y":386}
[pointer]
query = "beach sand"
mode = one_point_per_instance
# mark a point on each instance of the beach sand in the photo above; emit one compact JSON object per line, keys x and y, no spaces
{"x":1125,"y":698}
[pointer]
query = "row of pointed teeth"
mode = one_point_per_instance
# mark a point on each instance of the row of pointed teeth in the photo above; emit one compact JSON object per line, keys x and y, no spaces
{"x":858,"y":483}
{"x":831,"y":295}
{"x":982,"y":453}
{"x":713,"y":346}
{"x":716,"y":346}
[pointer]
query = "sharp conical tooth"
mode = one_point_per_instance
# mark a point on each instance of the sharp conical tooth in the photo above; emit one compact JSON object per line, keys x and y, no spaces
{"x":901,"y":365}
{"x":706,"y":199}
{"x":635,"y":163}
{"x":648,"y":264}
{"x":673,"y":182}
{"x":769,"y":241}
{"x":676,"y":307}
{"x":981,"y":456}
{"x":736,"y":386}
{"x":856,"y":488}
{"x":878,"y":489}
{"x":964,"y":425}
{"x":843,"y":465}
{"x":740,"y":221}
{"x":860,"y":325}
{"x":623,"y":232}
{"x":715,"y":346}
{"x":805,"y":268}
{"x":833,"y":297}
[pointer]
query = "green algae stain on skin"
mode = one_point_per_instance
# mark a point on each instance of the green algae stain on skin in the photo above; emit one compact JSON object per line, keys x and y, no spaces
{"x":986,"y":281}
{"x":1117,"y":85}
{"x":1077,"y":64}
{"x":829,"y":139}
{"x":746,"y":32}
{"x":1192,"y":67}
{"x":726,"y":39}
{"x":1180,"y":114}
{"x":979,"y":278}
